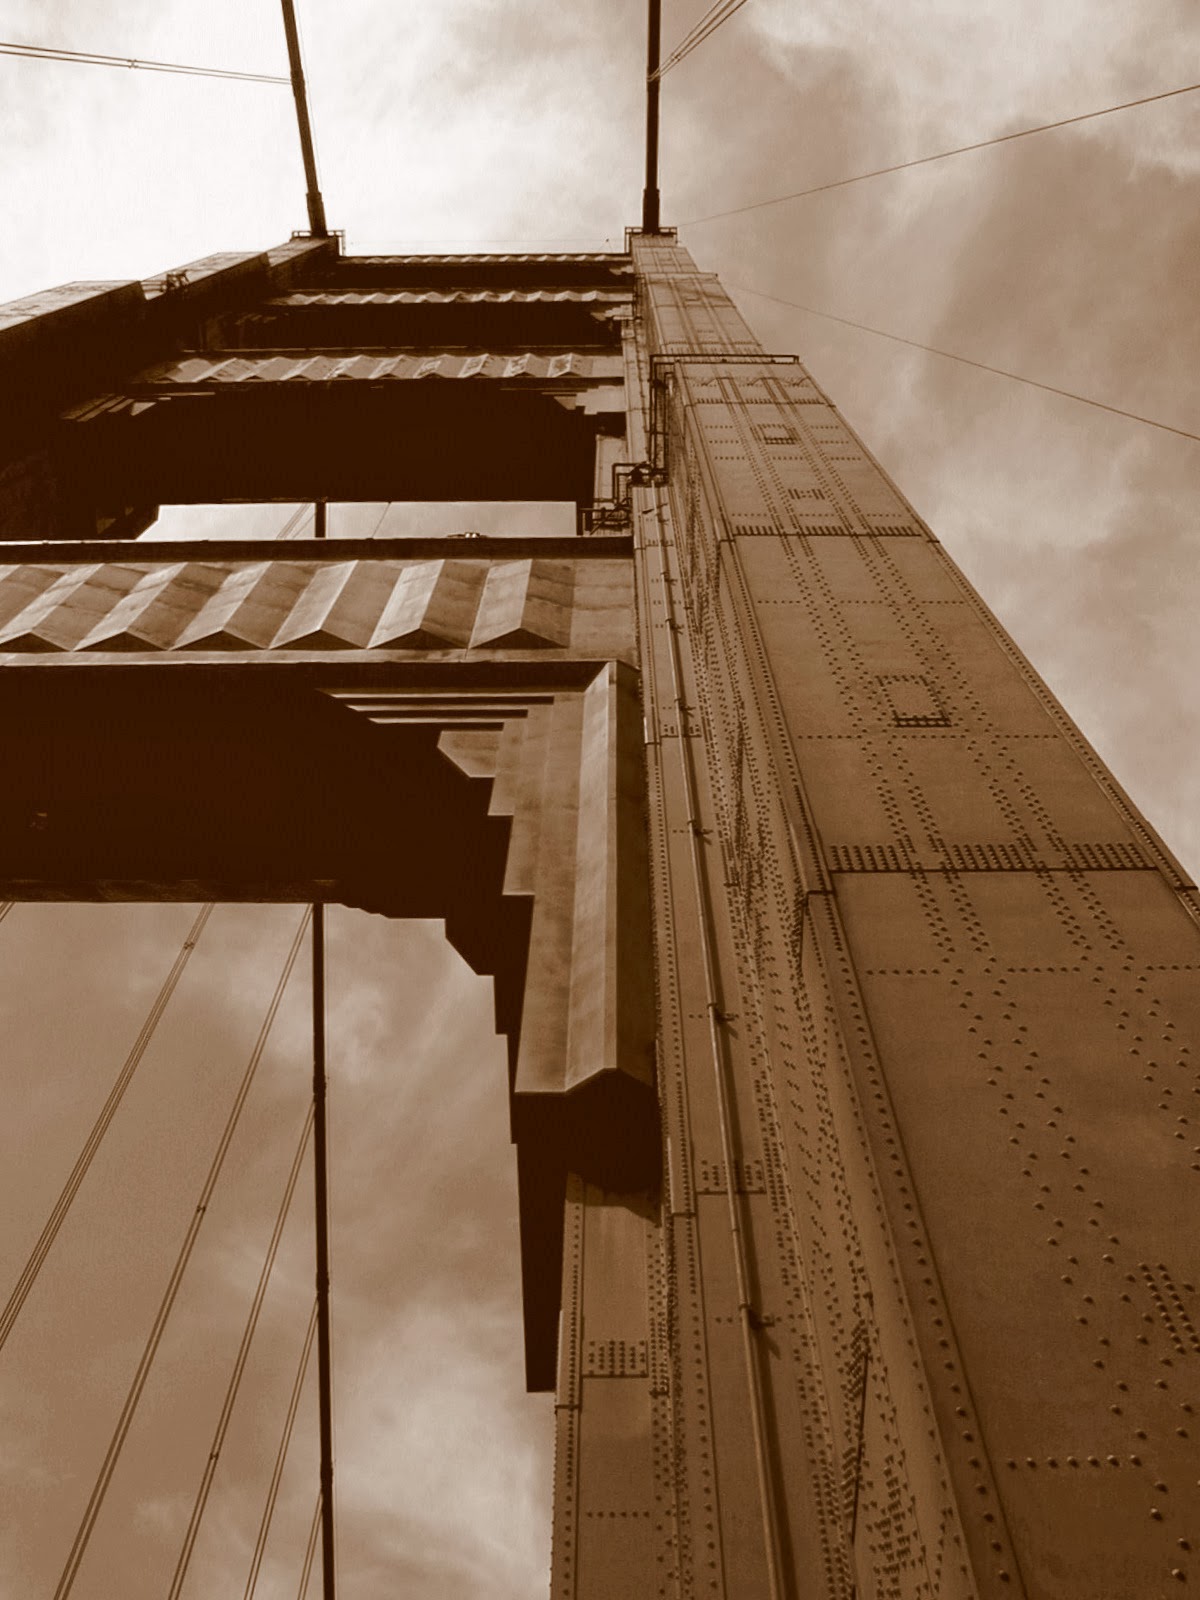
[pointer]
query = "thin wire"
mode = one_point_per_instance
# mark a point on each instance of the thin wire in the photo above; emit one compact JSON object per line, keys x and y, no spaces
{"x":239,"y":1366}
{"x":704,"y":29}
{"x":108,"y":1111}
{"x":125,"y":1420}
{"x":310,"y":1549}
{"x":708,"y":24}
{"x":294,"y":524}
{"x":966,"y":361}
{"x":92,"y":58}
{"x":5,"y":907}
{"x":942,"y":155}
{"x":264,"y":1527}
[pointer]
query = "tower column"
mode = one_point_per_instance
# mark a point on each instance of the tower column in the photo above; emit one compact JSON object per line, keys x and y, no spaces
{"x":948,"y":972}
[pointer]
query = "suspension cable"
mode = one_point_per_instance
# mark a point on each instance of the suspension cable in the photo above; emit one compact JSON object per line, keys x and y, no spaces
{"x":289,"y":1423}
{"x":704,"y":29}
{"x":310,"y":1549}
{"x":239,"y":1366}
{"x":125,"y":1420}
{"x":92,"y":58}
{"x":108,"y":1111}
{"x":966,"y":361}
{"x":941,"y":155}
{"x":316,"y":205}
{"x":294,"y":526}
{"x":5,"y":907}
{"x":321,"y":1199}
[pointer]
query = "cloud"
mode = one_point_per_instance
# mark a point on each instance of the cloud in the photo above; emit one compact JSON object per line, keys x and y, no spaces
{"x":1068,"y":257}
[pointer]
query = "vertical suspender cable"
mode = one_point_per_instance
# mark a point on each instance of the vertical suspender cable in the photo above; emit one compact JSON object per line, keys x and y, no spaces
{"x":321,"y":1199}
{"x":316,"y":206}
{"x":650,"y":202}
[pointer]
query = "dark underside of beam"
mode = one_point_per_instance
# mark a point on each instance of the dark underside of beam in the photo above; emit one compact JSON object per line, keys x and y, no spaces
{"x":451,"y":547}
{"x":306,"y":442}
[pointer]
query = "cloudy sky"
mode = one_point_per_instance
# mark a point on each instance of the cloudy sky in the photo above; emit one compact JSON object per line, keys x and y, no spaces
{"x":1069,"y":258}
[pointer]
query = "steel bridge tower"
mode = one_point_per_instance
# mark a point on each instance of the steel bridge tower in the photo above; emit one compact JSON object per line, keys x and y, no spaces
{"x":849,"y":1001}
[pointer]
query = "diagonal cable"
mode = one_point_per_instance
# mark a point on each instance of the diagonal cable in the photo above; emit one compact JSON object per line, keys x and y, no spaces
{"x":941,"y":155}
{"x":704,"y":29}
{"x":239,"y":1366}
{"x":310,"y":1549}
{"x":108,"y":1111}
{"x":92,"y":58}
{"x":289,"y":1423}
{"x":293,"y":528}
{"x":966,"y":361}
{"x":5,"y":907}
{"x":125,"y":1420}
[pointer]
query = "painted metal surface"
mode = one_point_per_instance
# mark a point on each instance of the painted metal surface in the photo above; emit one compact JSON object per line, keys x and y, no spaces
{"x":411,"y":297}
{"x":598,"y":258}
{"x":447,"y":605}
{"x":957,"y":1011}
{"x":538,"y":366}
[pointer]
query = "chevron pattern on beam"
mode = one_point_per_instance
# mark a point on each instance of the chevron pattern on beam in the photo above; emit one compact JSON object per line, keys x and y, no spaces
{"x":532,"y":604}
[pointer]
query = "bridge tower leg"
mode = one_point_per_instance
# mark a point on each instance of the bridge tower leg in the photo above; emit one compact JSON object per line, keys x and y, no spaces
{"x":922,"y":1289}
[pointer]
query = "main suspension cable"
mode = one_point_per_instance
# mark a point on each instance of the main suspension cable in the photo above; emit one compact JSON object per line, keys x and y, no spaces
{"x":289,"y":1423}
{"x":941,"y":155}
{"x":966,"y":361}
{"x":125,"y":1420}
{"x":108,"y":1111}
{"x":316,"y":205}
{"x":708,"y":25}
{"x":239,"y":1366}
{"x":92,"y":58}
